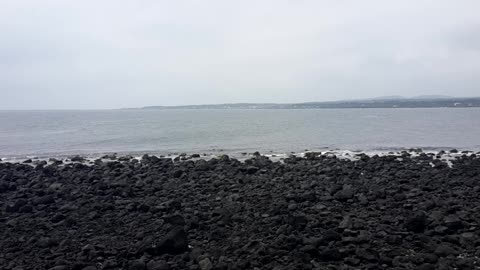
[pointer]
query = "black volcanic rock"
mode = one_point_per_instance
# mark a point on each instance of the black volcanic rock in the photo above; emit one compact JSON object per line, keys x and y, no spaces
{"x":417,"y":222}
{"x":174,"y":242}
{"x":318,"y":212}
{"x":251,"y":169}
{"x":177,"y":173}
{"x":15,"y":207}
{"x":157,"y":265}
{"x":47,"y":199}
{"x":344,"y":194}
{"x":329,"y":254}
{"x":137,"y":265}
{"x":77,"y":159}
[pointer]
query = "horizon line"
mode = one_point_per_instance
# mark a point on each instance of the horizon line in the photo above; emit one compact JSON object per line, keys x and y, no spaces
{"x":382,"y":98}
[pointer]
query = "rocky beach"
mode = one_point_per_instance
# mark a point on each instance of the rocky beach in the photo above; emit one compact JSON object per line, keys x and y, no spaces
{"x":409,"y":210}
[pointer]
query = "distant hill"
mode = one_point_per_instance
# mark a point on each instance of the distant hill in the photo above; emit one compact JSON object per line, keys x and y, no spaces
{"x":381,"y":102}
{"x":387,"y":98}
{"x":432,"y":97}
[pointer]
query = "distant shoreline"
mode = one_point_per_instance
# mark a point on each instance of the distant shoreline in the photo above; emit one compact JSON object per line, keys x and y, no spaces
{"x":393,"y":103}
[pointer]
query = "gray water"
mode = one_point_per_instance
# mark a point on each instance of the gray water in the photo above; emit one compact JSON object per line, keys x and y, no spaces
{"x":64,"y":133}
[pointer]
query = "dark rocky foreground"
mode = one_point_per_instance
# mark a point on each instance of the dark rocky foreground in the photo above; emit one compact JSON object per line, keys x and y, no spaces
{"x":317,"y":212}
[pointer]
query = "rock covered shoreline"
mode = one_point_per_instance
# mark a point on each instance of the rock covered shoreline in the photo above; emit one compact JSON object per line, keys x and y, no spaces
{"x":313,"y":212}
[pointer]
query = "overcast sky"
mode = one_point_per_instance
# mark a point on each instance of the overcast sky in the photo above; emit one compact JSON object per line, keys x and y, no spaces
{"x":90,"y":54}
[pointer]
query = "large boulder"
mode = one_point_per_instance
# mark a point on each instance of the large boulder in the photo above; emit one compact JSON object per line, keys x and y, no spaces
{"x":174,"y":242}
{"x":416,"y":223}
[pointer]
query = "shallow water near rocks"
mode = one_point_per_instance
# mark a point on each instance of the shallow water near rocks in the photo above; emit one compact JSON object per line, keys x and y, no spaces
{"x":65,"y":133}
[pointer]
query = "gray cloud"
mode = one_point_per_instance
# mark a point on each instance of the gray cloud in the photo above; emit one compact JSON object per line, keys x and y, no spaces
{"x":110,"y":54}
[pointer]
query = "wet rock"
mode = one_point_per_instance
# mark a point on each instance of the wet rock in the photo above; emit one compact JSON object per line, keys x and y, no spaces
{"x":202,"y":165}
{"x":110,"y":263}
{"x":205,"y":264}
{"x":416,"y":223}
{"x":330,"y":235}
{"x":45,"y":242}
{"x":251,"y":169}
{"x":176,"y":220}
{"x":427,"y":258}
{"x":87,"y":249}
{"x":320,"y":212}
{"x":4,"y":186}
{"x":426,"y":266}
{"x":177,"y":173}
{"x":346,"y":223}
{"x":59,"y":267}
{"x":366,"y":254}
{"x":466,"y":263}
{"x":292,"y":207}
{"x":329,"y":254}
{"x":362,"y":199}
{"x":47,"y":199}
{"x":441,"y":230}
{"x":352,"y":261}
{"x":158,"y":265}
{"x":298,"y":221}
{"x":137,"y":265}
{"x":345,"y":194}
{"x":57,"y":218}
{"x":174,"y":242}
{"x":453,"y":223}
{"x":110,"y":157}
{"x":444,"y":250}
{"x":16,"y":206}
{"x":399,"y":197}
{"x":77,"y":159}
{"x":26,"y":209}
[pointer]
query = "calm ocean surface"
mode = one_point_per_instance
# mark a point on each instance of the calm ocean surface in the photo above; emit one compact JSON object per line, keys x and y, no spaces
{"x":64,"y":133}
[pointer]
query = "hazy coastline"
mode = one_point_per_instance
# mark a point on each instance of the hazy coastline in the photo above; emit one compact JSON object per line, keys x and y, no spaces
{"x":379,"y":102}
